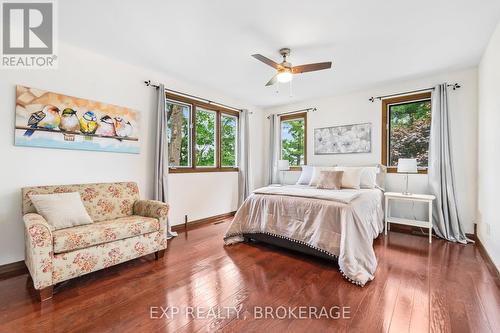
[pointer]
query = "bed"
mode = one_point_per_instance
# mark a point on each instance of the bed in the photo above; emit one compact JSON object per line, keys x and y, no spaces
{"x":333,"y":224}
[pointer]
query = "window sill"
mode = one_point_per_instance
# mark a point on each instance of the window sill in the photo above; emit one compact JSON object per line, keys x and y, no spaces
{"x":395,"y":170}
{"x":201,"y":170}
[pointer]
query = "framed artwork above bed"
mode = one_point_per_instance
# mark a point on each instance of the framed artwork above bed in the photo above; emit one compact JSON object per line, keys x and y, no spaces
{"x":344,"y":139}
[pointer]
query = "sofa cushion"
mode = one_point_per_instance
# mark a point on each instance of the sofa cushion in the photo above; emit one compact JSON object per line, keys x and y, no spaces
{"x":80,"y":237}
{"x":103,"y":201}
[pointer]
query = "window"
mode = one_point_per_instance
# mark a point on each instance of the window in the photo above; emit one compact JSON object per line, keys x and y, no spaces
{"x":293,"y":139}
{"x":202,"y":137}
{"x":206,"y":129}
{"x":406,"y":124}
{"x":179,"y":134}
{"x":229,"y":130}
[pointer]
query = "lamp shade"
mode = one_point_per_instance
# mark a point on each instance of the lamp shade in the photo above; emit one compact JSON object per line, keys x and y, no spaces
{"x":407,"y":165}
{"x":283,"y":165}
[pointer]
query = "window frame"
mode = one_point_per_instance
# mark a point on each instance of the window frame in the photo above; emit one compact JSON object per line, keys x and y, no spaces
{"x":386,"y":103}
{"x":294,"y":116}
{"x":218,"y":111}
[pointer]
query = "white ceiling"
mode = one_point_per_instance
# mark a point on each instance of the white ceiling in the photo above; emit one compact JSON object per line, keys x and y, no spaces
{"x":209,"y":42}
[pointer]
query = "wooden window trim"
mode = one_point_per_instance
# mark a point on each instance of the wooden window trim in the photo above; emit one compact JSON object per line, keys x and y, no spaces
{"x":292,"y":117}
{"x":219,"y":110}
{"x":385,"y":125}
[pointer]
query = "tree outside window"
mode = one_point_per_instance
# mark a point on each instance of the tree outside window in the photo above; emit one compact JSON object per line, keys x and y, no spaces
{"x":178,"y":134}
{"x":208,"y":144}
{"x":293,"y":139}
{"x":205,"y":137}
{"x":229,"y":130}
{"x":407,"y":124}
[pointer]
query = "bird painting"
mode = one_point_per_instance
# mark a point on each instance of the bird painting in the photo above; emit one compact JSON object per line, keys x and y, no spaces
{"x":123,"y":127}
{"x":106,"y":127}
{"x":47,"y":118}
{"x":53,"y":120}
{"x":69,"y":121}
{"x":88,"y":123}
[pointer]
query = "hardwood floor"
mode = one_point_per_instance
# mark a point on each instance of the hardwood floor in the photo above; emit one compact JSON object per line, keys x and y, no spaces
{"x":442,"y":287}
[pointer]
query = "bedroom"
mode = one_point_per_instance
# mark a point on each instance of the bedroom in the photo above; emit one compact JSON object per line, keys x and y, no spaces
{"x":217,"y":91}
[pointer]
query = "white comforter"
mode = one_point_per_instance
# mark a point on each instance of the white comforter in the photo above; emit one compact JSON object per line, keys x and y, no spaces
{"x":341,"y":223}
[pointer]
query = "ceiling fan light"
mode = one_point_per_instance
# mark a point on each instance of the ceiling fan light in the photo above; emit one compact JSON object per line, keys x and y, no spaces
{"x":284,"y":77}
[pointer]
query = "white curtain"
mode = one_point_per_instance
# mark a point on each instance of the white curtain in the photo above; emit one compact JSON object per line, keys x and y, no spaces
{"x":161,"y":154}
{"x":446,"y":217}
{"x":274,"y":149}
{"x":243,"y":153}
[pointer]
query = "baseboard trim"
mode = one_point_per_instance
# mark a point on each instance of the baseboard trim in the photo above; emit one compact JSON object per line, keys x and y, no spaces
{"x":13,"y":269}
{"x":489,"y":263}
{"x":200,"y":222}
{"x":406,"y":229}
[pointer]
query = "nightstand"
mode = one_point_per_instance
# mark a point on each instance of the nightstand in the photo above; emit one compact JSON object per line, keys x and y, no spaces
{"x":392,"y":196}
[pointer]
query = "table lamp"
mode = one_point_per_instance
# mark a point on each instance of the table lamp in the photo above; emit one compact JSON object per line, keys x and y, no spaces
{"x":283,"y":165}
{"x":407,"y":166}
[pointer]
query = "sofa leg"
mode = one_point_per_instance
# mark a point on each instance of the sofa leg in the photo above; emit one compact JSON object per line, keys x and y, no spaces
{"x":159,"y":254}
{"x":45,"y":293}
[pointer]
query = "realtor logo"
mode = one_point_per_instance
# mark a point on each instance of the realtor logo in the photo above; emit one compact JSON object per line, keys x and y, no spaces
{"x":28,"y":34}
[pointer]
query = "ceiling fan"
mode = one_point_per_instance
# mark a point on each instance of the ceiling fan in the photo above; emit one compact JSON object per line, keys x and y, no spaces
{"x":285,"y":68}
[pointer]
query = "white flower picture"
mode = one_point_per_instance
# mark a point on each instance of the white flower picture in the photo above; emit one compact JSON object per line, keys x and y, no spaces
{"x":343,"y":139}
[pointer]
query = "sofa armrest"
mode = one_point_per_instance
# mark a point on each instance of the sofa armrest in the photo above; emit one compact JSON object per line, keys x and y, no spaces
{"x":39,"y":249}
{"x":152,"y":208}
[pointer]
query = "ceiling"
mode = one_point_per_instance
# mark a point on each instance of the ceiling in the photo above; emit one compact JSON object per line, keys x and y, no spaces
{"x":210,"y":42}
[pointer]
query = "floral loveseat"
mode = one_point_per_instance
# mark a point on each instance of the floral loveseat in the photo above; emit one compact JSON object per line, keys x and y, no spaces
{"x":123,"y":228}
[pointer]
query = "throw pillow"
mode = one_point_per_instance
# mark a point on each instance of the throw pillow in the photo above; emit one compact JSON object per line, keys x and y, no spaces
{"x":331,"y":180}
{"x":61,"y":210}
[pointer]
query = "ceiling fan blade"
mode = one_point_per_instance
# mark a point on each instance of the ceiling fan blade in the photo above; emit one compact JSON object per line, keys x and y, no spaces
{"x":272,"y":81}
{"x":267,"y":61}
{"x":311,"y":67}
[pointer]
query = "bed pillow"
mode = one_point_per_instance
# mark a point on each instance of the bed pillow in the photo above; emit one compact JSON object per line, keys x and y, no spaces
{"x":380,"y":179}
{"x":368,"y":175}
{"x":351,"y":177}
{"x":305,"y":175}
{"x":330,"y":180}
{"x":61,"y":210}
{"x":317,"y":173}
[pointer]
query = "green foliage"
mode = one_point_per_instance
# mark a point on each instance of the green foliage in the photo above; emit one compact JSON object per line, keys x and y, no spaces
{"x":178,"y":133}
{"x":205,"y":138}
{"x":228,"y":141}
{"x":409,"y":132}
{"x":292,"y":141}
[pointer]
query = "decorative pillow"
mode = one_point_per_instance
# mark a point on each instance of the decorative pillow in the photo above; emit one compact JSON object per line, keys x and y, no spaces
{"x":331,"y":180}
{"x":351,"y":177}
{"x":305,"y":175}
{"x":317,"y":173}
{"x":61,"y":210}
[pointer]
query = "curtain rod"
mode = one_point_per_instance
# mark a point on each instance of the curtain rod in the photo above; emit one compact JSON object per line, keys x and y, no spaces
{"x":149,"y":84}
{"x":296,"y":111}
{"x":372,"y":99}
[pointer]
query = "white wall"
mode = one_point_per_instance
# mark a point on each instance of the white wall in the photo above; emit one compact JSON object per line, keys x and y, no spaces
{"x":488,"y":148}
{"x":355,"y":108}
{"x":88,"y":75}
